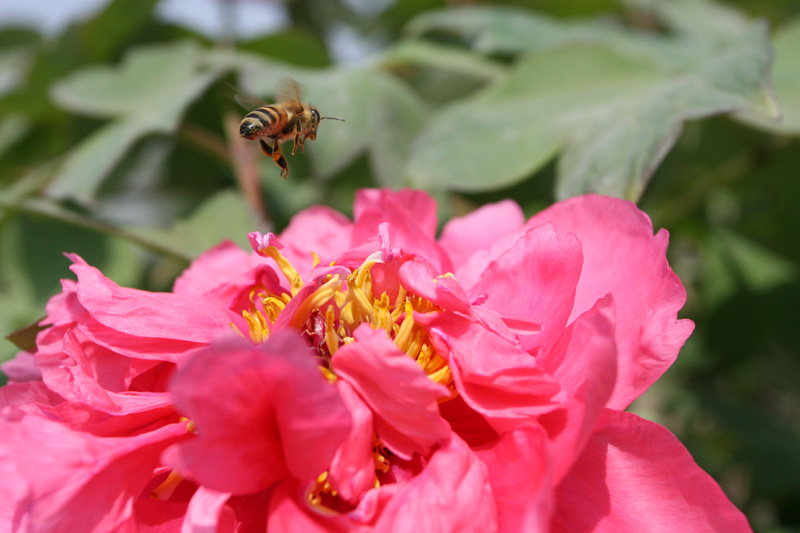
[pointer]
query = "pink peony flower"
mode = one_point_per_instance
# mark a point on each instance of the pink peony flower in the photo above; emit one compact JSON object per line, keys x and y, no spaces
{"x":382,"y":379}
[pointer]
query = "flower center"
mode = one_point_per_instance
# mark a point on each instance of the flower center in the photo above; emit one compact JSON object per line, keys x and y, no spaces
{"x":330,"y":311}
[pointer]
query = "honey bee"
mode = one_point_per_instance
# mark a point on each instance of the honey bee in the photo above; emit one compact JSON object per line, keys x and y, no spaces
{"x":288,"y":118}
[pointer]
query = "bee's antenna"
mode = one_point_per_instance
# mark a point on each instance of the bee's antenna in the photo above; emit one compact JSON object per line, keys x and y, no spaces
{"x":332,"y":118}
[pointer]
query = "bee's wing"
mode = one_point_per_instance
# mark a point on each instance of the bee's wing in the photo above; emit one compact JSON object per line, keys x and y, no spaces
{"x":248,"y":102}
{"x":288,"y":91}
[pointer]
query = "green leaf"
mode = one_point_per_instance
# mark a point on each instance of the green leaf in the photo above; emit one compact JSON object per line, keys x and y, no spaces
{"x":24,"y":338}
{"x":786,"y":80}
{"x":615,"y":115}
{"x":12,"y":129}
{"x":510,"y":30}
{"x":147,"y":93}
{"x":89,"y":163}
{"x":13,"y":62}
{"x":443,"y":58}
{"x":498,"y":137}
{"x":203,"y":230}
{"x":114,"y":27}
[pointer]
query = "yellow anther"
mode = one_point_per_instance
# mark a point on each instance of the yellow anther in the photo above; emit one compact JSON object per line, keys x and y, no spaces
{"x":315,"y":300}
{"x":289,"y":272}
{"x":347,"y":319}
{"x":257,"y":326}
{"x":297,"y":284}
{"x":443,"y":376}
{"x":331,"y":337}
{"x":402,"y":294}
{"x":167,"y":487}
{"x":236,"y":330}
{"x":330,"y":376}
{"x":404,"y":337}
{"x":273,"y":306}
{"x":424,"y":357}
{"x":315,"y":260}
{"x":415,"y":345}
{"x":380,"y":310}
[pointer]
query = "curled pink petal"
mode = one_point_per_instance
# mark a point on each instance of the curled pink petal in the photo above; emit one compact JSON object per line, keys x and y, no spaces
{"x":619,"y":246}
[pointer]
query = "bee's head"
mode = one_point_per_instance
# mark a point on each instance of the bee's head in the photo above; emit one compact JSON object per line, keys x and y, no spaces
{"x":249,"y":129}
{"x":315,"y":120}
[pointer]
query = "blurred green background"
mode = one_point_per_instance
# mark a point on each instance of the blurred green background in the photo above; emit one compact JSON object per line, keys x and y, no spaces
{"x":118,"y":141}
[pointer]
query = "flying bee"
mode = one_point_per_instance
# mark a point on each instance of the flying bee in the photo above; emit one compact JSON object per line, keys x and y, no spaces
{"x":288,"y":118}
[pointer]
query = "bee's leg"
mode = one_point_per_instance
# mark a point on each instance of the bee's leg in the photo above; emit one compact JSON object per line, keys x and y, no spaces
{"x":275,"y":153}
{"x":297,"y":140}
{"x":265,"y":148}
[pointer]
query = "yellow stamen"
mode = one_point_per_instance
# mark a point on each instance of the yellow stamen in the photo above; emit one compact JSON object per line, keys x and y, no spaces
{"x":315,"y":300}
{"x":331,"y":337}
{"x":286,"y":268}
{"x":403,"y":337}
{"x":258,"y":326}
{"x":381,"y":316}
{"x":330,"y":376}
{"x":167,"y":487}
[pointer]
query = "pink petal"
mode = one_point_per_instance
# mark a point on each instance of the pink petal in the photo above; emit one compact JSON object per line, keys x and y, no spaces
{"x":463,"y":236}
{"x":204,"y":511}
{"x":21,"y":368}
{"x":495,"y":377}
{"x":634,"y":475}
{"x":260,"y":412}
{"x":83,"y":388}
{"x":411,"y":218}
{"x":445,"y":292}
{"x":584,"y":361}
{"x":85,"y":483}
{"x":215,"y":266}
{"x":158,"y":516}
{"x":352,"y":470}
{"x":415,"y":205}
{"x":399,"y":393}
{"x":519,"y":474}
{"x":467,"y":423}
{"x":535,"y":279}
{"x":144,"y":324}
{"x":621,"y":256}
{"x":227,"y":275}
{"x":453,"y":493}
{"x":316,"y":229}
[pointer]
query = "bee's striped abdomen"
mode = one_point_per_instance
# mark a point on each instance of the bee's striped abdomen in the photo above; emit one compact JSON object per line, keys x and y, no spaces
{"x":260,"y":122}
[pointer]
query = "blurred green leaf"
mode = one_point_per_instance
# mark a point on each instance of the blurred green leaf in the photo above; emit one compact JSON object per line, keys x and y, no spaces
{"x":786,"y":80}
{"x":757,"y":267}
{"x":614,"y":114}
{"x":498,"y":137}
{"x":443,"y":58}
{"x":509,"y":30}
{"x":203,"y":228}
{"x":147,"y":93}
{"x":12,"y":129}
{"x":113,"y":28}
{"x":13,"y":63}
